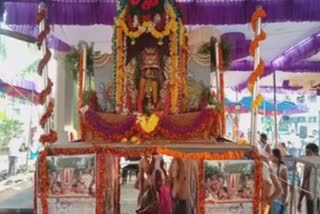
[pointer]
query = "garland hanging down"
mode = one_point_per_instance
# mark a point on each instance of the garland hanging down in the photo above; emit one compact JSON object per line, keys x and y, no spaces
{"x":101,"y":151}
{"x":256,"y":74}
{"x":52,"y":136}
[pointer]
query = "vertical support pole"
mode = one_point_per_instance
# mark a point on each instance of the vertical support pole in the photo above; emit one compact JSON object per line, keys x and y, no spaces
{"x":216,"y":50}
{"x":254,"y":112}
{"x":30,"y":131}
{"x":292,"y":187}
{"x":275,"y":108}
{"x":42,"y":27}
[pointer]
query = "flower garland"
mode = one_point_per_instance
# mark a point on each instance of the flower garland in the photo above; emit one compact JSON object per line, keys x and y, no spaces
{"x":147,"y":26}
{"x":101,"y":152}
{"x":183,"y":65}
{"x":201,"y":188}
{"x":100,"y":182}
{"x":44,"y":118}
{"x":222,"y":95}
{"x":148,"y":124}
{"x":119,"y":69}
{"x":46,"y":92}
{"x":258,"y":180}
{"x":112,"y":131}
{"x":43,"y":181}
{"x":169,"y":129}
{"x":148,"y":127}
{"x":52,"y":136}
{"x":259,"y":13}
{"x":174,"y":77}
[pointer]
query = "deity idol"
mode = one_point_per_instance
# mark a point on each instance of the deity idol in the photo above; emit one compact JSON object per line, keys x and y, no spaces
{"x":150,"y":81}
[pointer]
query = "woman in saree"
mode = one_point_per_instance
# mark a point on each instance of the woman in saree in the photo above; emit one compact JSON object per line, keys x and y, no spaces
{"x":156,"y":199}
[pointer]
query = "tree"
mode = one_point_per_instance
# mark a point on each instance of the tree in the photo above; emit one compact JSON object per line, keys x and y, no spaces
{"x":8,"y":129}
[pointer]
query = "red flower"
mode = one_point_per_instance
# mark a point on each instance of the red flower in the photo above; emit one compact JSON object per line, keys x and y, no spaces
{"x":154,"y":3}
{"x":134,"y":2}
{"x":146,"y":5}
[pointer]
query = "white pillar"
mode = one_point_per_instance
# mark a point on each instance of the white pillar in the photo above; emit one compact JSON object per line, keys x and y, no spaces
{"x":60,"y":97}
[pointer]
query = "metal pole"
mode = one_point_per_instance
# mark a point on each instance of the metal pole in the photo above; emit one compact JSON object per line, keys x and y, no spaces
{"x":218,"y":81}
{"x":275,"y":107}
{"x":255,"y":90}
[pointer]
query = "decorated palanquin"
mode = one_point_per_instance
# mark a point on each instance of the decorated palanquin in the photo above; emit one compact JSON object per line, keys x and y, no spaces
{"x":151,"y":94}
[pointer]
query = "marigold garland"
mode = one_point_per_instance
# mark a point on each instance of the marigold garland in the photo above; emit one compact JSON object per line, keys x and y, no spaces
{"x":50,"y":137}
{"x":101,"y":151}
{"x":100,"y":182}
{"x":174,"y":77}
{"x":44,"y":118}
{"x":148,"y":26}
{"x":45,"y":92}
{"x":201,"y":188}
{"x":43,"y":181}
{"x":259,"y":13}
{"x":148,"y":124}
{"x":119,"y":70}
{"x":258,"y":181}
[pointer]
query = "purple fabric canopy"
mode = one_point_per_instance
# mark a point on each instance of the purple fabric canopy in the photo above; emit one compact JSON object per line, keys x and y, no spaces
{"x":54,"y":43}
{"x":87,"y":12}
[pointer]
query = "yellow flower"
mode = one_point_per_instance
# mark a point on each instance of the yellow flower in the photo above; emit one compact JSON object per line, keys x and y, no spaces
{"x":148,"y":124}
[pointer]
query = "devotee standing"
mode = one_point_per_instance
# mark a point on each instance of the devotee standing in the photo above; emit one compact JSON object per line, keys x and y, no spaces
{"x":178,"y":184}
{"x":13,"y":153}
{"x":265,"y":149}
{"x":279,"y":206}
{"x":308,"y":180}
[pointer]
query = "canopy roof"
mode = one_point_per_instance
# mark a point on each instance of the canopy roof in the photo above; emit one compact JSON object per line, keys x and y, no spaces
{"x":292,"y":28}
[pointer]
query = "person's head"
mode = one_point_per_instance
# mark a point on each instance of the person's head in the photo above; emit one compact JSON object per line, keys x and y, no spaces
{"x":263,"y":138}
{"x":312,"y":149}
{"x":276,"y":156}
{"x":283,"y":145}
{"x":158,"y":179}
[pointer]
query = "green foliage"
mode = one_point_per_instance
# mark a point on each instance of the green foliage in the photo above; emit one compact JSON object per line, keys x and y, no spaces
{"x":211,"y":170}
{"x":9,"y":129}
{"x":209,"y":49}
{"x":73,"y":60}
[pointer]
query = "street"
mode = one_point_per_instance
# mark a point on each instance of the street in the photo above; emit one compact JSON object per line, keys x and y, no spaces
{"x":20,"y":197}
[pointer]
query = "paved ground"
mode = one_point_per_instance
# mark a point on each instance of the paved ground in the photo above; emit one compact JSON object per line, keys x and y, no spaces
{"x":129,"y":197}
{"x":20,"y":196}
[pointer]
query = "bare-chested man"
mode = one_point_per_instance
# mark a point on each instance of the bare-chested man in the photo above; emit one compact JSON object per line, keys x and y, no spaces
{"x":178,"y":184}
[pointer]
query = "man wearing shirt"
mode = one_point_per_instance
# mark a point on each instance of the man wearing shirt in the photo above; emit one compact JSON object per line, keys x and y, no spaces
{"x":308,"y":180}
{"x":13,"y":153}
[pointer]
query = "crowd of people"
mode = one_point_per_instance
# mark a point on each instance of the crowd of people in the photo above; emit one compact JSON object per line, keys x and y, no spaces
{"x":161,"y":191}
{"x":276,"y":182}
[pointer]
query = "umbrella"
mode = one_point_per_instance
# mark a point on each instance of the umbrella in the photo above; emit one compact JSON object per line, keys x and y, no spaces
{"x":267,"y":107}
